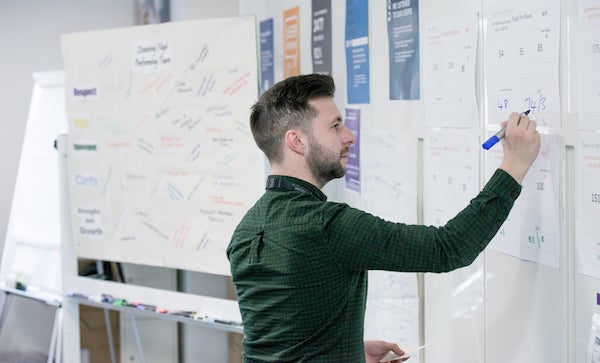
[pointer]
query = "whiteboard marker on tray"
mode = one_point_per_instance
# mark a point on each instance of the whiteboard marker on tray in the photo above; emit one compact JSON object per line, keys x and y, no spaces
{"x":499,"y":135}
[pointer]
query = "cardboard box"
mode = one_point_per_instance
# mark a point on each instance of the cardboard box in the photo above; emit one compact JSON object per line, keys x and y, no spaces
{"x":92,"y":328}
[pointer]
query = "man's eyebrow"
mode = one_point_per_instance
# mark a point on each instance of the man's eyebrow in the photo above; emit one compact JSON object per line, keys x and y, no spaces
{"x":336,"y":120}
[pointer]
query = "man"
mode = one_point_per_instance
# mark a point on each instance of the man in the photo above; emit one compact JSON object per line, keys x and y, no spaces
{"x":299,"y":263}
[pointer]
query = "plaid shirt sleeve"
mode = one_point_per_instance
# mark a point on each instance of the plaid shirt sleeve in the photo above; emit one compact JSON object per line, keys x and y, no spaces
{"x":361,"y":241}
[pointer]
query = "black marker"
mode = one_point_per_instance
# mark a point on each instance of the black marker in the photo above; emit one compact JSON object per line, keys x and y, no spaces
{"x":78,"y":295}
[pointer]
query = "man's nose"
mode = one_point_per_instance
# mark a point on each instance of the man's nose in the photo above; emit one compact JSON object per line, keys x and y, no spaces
{"x":348,"y":137}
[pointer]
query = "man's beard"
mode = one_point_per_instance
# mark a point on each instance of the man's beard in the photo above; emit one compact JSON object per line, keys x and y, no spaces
{"x":324,"y":165}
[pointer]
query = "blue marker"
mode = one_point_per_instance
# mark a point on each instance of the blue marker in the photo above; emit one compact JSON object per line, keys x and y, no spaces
{"x":499,"y":135}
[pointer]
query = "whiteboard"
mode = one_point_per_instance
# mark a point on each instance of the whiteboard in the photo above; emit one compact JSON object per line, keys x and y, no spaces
{"x":32,"y":246}
{"x":162,"y":164}
{"x":526,"y":305}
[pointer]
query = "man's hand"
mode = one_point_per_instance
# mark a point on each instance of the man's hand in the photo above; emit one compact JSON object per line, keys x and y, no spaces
{"x":377,"y":349}
{"x":521,"y":145}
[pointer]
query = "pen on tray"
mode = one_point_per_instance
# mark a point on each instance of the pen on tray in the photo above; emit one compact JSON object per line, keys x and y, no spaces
{"x":184,"y":313}
{"x":499,"y":135}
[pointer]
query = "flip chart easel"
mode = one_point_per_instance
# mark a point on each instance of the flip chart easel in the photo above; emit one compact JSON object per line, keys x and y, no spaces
{"x":137,"y":183}
{"x":170,"y":300}
{"x":32,"y":246}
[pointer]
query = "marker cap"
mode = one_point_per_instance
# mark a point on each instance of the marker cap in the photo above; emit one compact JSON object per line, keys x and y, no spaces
{"x":490,"y":142}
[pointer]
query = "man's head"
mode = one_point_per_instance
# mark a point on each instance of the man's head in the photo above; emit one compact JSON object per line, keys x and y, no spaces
{"x":286,"y":106}
{"x":298,"y":126}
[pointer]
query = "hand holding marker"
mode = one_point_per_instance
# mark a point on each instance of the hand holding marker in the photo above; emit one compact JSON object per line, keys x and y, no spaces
{"x":499,"y":135}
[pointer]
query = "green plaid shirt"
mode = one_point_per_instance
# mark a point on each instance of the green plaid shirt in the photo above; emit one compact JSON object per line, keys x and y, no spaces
{"x":299,"y":265}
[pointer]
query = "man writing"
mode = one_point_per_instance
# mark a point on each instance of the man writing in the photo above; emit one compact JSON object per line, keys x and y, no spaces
{"x":300,"y":263}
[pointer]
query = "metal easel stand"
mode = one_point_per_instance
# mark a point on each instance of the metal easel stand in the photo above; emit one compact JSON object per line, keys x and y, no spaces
{"x":55,"y":354}
{"x":138,"y":341}
{"x":109,"y":334}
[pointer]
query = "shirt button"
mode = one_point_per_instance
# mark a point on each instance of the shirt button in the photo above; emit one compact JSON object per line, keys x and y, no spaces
{"x":514,"y":195}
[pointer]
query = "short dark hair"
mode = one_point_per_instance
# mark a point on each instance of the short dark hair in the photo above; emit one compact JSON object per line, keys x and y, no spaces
{"x":285,"y":106}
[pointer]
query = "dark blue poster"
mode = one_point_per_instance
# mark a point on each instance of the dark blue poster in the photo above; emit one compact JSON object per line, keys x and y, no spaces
{"x":321,"y":36}
{"x":267,"y":72}
{"x":403,"y":39}
{"x":357,"y":51}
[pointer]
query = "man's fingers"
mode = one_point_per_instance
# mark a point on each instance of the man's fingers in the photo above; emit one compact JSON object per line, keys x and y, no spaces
{"x":532,"y":125}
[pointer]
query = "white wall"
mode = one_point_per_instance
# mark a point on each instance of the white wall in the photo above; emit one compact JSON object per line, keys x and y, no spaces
{"x":30,"y":37}
{"x":203,"y":9}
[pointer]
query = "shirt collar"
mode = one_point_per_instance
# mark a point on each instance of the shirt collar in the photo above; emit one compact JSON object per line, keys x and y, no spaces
{"x":283,"y":182}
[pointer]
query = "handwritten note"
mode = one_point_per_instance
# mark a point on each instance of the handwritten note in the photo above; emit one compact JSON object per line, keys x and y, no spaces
{"x":532,"y":229}
{"x":450,"y":174}
{"x":588,"y":205}
{"x":392,"y":285}
{"x":389,"y":190}
{"x":393,"y":320}
{"x":521,"y":60}
{"x":593,"y":347}
{"x":389,"y":187}
{"x":392,"y":307}
{"x":162,"y":161}
{"x":151,"y":56}
{"x":449,"y":60}
{"x":589,"y":58}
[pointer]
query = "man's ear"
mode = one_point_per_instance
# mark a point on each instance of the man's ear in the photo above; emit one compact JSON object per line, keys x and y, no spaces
{"x":296,"y":141}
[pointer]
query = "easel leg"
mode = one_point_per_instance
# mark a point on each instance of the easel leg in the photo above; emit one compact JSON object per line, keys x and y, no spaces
{"x":3,"y":305}
{"x":109,"y":334}
{"x":138,"y":341}
{"x":59,"y":328}
{"x":54,"y":338}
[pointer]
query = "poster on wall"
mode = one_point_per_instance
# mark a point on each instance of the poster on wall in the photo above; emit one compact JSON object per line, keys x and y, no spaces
{"x":291,"y":42}
{"x":267,"y":62}
{"x":403,"y":41}
{"x":352,"y":121}
{"x":321,"y":36}
{"x":357,"y":51}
